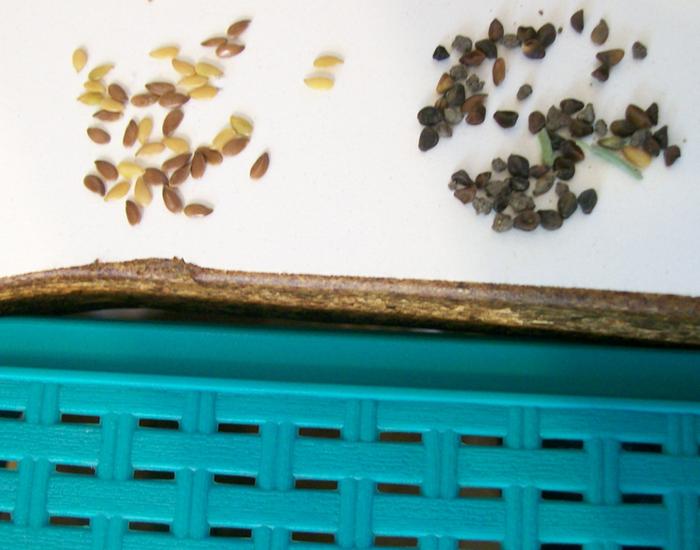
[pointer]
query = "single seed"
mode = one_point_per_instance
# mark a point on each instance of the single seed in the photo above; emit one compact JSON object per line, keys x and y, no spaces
{"x":98,"y":135}
{"x":107,"y":116}
{"x":259,"y":168}
{"x":651,"y":146}
{"x":80,"y":59}
{"x":183,"y":67}
{"x":511,"y":41}
{"x":588,"y":114}
{"x":520,"y":202}
{"x":235,"y":146}
{"x":600,"y":33}
{"x":518,"y":166}
{"x":429,"y":138}
{"x":571,"y":106}
{"x":98,"y":73}
{"x":653,"y":113}
{"x":502,"y":223}
{"x":567,"y":205}
{"x":536,"y":122}
{"x":204,"y":92}
{"x":144,"y":100}
{"x":543,"y":185}
{"x":519,"y":184}
{"x":550,"y":220}
{"x":601,"y":128}
{"x":495,"y":31}
{"x":173,"y":100}
{"x":160,"y":88}
{"x":524,"y":92}
{"x":493,"y":188}
{"x":482,"y":205}
{"x":440,"y":54}
{"x":94,"y":184}
{"x":427,"y":116}
{"x":145,"y":130}
{"x":193,"y":81}
{"x":488,"y":48}
{"x":506,"y":119}
{"x":212,"y":156}
{"x":444,"y":84}
{"x":473,"y":58}
{"x":580,"y":128}
{"x":475,"y":84}
{"x":172,"y":122}
{"x":223,"y":137}
{"x":238,"y":28}
{"x":197,"y":210}
{"x":177,"y":145}
{"x":570,"y":150}
{"x":637,"y":156}
{"x":526,"y":33}
{"x":229,"y":50}
{"x":672,"y":154}
{"x":130,"y":170}
{"x":613,"y":143}
{"x":107,"y":170}
{"x":473,"y":102}
{"x":602,"y":73}
{"x":466,"y":195}
{"x":476,"y":116}
{"x":459,"y":72}
{"x":453,"y":116}
{"x":176,"y":162}
{"x":133,"y":213}
{"x":499,"y":71}
{"x":118,"y":191}
{"x":456,"y":96}
{"x":611,"y":57}
{"x":441,"y":104}
{"x":661,"y":136}
{"x":538,"y":170}
{"x":533,"y":49}
{"x":91,"y":98}
{"x":166,"y":52}
{"x":639,"y":50}
{"x":638,"y":117}
{"x":565,"y":168}
{"x":180,"y":175}
{"x":214,"y":42}
{"x":527,"y":221}
{"x":577,"y":21}
{"x":588,"y":200}
{"x":142,"y":193}
{"x":109,"y":104}
{"x":546,"y":35}
{"x":130,"y":134}
{"x":640,"y":137}
{"x":462,"y":178}
{"x":199,"y":165}
{"x":462,"y":44}
{"x":117,"y":93}
{"x":319,"y":82}
{"x":498,"y":165}
{"x":94,"y":86}
{"x":150,"y":149}
{"x":622,"y":128}
{"x":153,"y":176}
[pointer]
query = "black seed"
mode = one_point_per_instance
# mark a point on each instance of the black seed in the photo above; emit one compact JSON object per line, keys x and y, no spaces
{"x":538,"y":170}
{"x":556,"y":119}
{"x":561,"y":188}
{"x":502,"y":223}
{"x":511,"y":41}
{"x":602,"y":73}
{"x":639,"y":50}
{"x":588,"y":200}
{"x":526,"y":33}
{"x":588,"y":114}
{"x":577,"y":21}
{"x":488,"y":48}
{"x":476,"y":116}
{"x":495,"y":30}
{"x":462,"y":177}
{"x":611,"y":57}
{"x":543,"y":185}
{"x":498,"y":165}
{"x":518,"y":166}
{"x":564,"y":168}
{"x":520,"y":202}
{"x":483,"y":179}
{"x":443,"y":129}
{"x":519,"y":184}
{"x":571,"y":106}
{"x":429,"y":138}
{"x":601,"y":128}
{"x":440,"y":53}
{"x":429,"y":116}
{"x":502,"y":201}
{"x":546,"y":35}
{"x":533,"y":49}
{"x":652,"y":146}
{"x":661,"y":136}
{"x":506,"y":119}
{"x":638,"y":117}
{"x":524,"y":92}
{"x":456,"y":96}
{"x":567,"y":205}
{"x":473,"y":58}
{"x":462,"y":44}
{"x":536,"y":122}
{"x":639,"y":137}
{"x":459,"y":72}
{"x":555,"y":139}
{"x":672,"y":154}
{"x":579,"y":128}
{"x":600,"y":33}
{"x":496,"y":188}
{"x":453,"y":115}
{"x":527,"y":221}
{"x":622,"y":128}
{"x":653,"y":113}
{"x":482,"y":205}
{"x":550,"y":219}
{"x":570,"y":150}
{"x":466,"y":194}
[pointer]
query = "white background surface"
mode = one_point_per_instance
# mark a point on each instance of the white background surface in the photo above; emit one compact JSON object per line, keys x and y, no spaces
{"x":348,"y":193}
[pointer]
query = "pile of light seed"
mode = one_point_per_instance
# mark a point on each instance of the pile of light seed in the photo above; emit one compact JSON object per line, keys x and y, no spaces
{"x":133,"y":173}
{"x":512,"y":197}
{"x":323,"y":80}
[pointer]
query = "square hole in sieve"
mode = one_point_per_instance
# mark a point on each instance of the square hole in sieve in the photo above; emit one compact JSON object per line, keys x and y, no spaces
{"x":480,"y":492}
{"x":481,"y":441}
{"x":80,"y":419}
{"x":653,"y":448}
{"x":11,"y":415}
{"x":558,"y":546}
{"x":400,"y":437}
{"x":230,"y":533}
{"x":69,"y":521}
{"x":159,"y":424}
{"x":398,"y":489}
{"x":314,"y":538}
{"x":149,"y":527}
{"x":319,"y":433}
{"x":635,"y":498}
{"x":563,"y":444}
{"x":224,"y":479}
{"x":562,"y":496}
{"x":75,"y":470}
{"x":250,"y":429}
{"x":154,"y":475}
{"x":395,"y":542}
{"x":9,"y":465}
{"x":479,"y":545}
{"x":315,"y":485}
{"x":5,"y":516}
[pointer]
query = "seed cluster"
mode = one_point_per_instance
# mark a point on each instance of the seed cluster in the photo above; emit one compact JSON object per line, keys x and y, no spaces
{"x":194,"y":83}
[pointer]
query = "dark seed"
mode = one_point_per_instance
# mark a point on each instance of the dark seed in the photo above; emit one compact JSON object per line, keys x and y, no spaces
{"x":600,"y":33}
{"x":474,"y":84}
{"x":579,"y":128}
{"x":639,"y":50}
{"x":661,"y":136}
{"x":496,"y":188}
{"x":473,"y":58}
{"x":602,"y":73}
{"x":524,"y":92}
{"x":519,"y":184}
{"x":550,"y":219}
{"x":453,"y":116}
{"x":482,"y":205}
{"x":520,"y":202}
{"x":546,"y":35}
{"x":462,"y":44}
{"x":622,"y":128}
{"x":600,"y":127}
{"x":543,"y":185}
{"x":652,"y":146}
{"x":495,"y":30}
{"x":459,"y":72}
{"x":476,"y":116}
{"x":564,"y":168}
{"x":456,"y":96}
{"x":638,"y":117}
{"x":527,"y":221}
{"x":588,"y":200}
{"x":440,"y":53}
{"x":473,"y":102}
{"x":506,"y":119}
{"x":555,"y":119}
{"x":561,"y":188}
{"x":526,"y":33}
{"x":639,"y":137}
{"x":443,"y":129}
{"x":428,"y":139}
{"x":653,"y":113}
{"x":487,"y":47}
{"x":538,"y":170}
{"x":571,"y":106}
{"x":610,"y":57}
{"x":498,"y":165}
{"x":483,"y":179}
{"x":555,"y":139}
{"x":533,"y":49}
{"x":499,"y":71}
{"x":672,"y":154}
{"x":462,"y":177}
{"x":94,"y":184}
{"x":502,"y":201}
{"x":511,"y":41}
{"x":429,"y":116}
{"x":588,"y":114}
{"x":577,"y":21}
{"x":536,"y":121}
{"x":518,"y":166}
{"x":567,"y":205}
{"x":502,"y":223}
{"x":466,"y":194}
{"x":570,"y":150}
